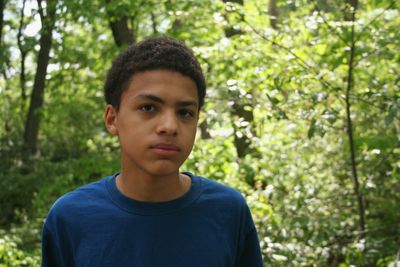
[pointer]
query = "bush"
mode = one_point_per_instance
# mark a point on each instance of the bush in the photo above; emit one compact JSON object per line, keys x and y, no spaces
{"x":12,"y":255}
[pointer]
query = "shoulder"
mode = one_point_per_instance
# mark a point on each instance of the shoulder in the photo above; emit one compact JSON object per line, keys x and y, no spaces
{"x":221,"y":196}
{"x":221,"y":190}
{"x":82,"y":198}
{"x":87,"y":193}
{"x":226,"y":203}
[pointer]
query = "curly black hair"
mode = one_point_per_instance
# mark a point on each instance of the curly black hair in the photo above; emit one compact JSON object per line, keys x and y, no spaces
{"x":152,"y":54}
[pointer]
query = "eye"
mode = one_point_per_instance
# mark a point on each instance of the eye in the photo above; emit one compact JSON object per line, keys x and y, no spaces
{"x":185,"y":113}
{"x":147,"y":108}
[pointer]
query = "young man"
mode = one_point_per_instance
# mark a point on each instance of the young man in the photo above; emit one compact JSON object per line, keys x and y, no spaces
{"x":150,"y":214}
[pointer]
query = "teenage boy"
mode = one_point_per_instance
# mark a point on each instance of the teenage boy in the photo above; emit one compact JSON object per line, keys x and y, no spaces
{"x":150,"y":214}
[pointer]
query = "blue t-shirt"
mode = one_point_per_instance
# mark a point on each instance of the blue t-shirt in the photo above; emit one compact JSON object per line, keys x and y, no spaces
{"x":96,"y":225}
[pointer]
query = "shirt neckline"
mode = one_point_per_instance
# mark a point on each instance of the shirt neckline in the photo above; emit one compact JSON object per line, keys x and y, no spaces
{"x":153,"y":208}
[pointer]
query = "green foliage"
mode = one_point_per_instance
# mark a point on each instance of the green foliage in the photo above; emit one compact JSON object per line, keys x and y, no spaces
{"x":297,"y":178}
{"x":11,"y":255}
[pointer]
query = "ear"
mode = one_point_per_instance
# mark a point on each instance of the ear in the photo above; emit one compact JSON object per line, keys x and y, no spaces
{"x":110,"y":119}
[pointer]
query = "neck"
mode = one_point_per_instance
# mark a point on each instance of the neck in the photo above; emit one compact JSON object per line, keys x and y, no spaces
{"x":148,"y":188}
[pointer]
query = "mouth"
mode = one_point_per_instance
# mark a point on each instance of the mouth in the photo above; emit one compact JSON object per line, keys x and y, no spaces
{"x":164,"y":146}
{"x":165,"y":149}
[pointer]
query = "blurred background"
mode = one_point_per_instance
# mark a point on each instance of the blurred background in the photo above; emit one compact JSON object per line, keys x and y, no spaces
{"x":301,"y":115}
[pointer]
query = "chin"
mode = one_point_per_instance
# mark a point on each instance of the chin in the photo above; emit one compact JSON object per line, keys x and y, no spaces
{"x":164,"y":169}
{"x":163,"y":173}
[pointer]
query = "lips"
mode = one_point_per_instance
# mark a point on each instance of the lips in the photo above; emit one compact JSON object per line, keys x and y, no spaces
{"x":165,"y":150}
{"x":167,"y":147}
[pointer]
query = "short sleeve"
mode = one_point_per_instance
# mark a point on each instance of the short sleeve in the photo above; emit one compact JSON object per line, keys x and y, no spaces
{"x":51,"y":255}
{"x":250,"y":255}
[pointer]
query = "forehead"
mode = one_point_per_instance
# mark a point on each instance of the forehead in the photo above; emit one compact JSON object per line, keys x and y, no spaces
{"x":163,"y":83}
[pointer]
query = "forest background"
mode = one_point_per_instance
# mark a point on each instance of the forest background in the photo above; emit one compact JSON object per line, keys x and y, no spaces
{"x":302,"y":115}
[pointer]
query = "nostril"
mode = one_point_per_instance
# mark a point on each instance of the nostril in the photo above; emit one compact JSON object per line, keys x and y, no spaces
{"x":167,"y":127}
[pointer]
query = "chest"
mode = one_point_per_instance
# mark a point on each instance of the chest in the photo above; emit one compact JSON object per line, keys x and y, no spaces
{"x":170,"y":240}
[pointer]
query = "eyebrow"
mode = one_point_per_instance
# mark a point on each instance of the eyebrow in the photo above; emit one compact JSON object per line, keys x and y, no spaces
{"x":160,"y":100}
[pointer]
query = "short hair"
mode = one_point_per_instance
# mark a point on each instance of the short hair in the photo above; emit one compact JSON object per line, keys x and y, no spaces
{"x":152,"y":54}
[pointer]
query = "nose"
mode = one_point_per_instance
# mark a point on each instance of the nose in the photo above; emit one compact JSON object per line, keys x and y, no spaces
{"x":168,"y":124}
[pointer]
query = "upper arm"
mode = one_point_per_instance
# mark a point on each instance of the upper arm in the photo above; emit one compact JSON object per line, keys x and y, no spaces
{"x":250,"y":253}
{"x":51,"y":254}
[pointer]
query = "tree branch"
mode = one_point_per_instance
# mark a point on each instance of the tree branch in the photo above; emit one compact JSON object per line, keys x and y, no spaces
{"x":22,"y":51}
{"x":300,"y":61}
{"x":377,"y":48}
{"x":376,"y":17}
{"x":326,"y":23}
{"x":40,"y":10}
{"x":2,"y":7}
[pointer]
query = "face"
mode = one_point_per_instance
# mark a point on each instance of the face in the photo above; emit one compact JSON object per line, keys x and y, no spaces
{"x":156,"y":122}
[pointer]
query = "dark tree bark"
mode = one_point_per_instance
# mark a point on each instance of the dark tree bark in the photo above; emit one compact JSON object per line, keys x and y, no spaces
{"x":154,"y":23}
{"x":229,"y":28}
{"x":242,"y":140}
{"x":240,"y":111}
{"x":2,"y":71}
{"x":23,"y":52}
{"x":122,"y":34}
{"x":240,"y":2}
{"x":205,"y":134}
{"x":2,"y":6}
{"x":273,"y":14}
{"x":350,"y":9}
{"x":36,"y":100}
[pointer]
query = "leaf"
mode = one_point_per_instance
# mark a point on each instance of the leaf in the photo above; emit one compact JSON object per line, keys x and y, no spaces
{"x":311,"y":130}
{"x":392,"y":113}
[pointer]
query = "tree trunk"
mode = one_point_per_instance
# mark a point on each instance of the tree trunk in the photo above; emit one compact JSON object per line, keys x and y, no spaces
{"x":204,"y":133}
{"x":36,"y":100}
{"x":3,"y":61}
{"x":119,"y":27}
{"x":350,"y":86}
{"x":2,"y":70}
{"x":240,"y":112}
{"x":350,"y":9}
{"x":154,"y":23}
{"x":273,"y":14}
{"x":242,"y":140}
{"x":2,"y":6}
{"x":23,"y":52}
{"x":121,"y":32}
{"x":229,"y":29}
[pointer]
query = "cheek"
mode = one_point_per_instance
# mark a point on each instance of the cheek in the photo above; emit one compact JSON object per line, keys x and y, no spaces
{"x":190,"y":137}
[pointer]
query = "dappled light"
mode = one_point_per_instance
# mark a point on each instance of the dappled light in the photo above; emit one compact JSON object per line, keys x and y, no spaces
{"x":301,"y":116}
